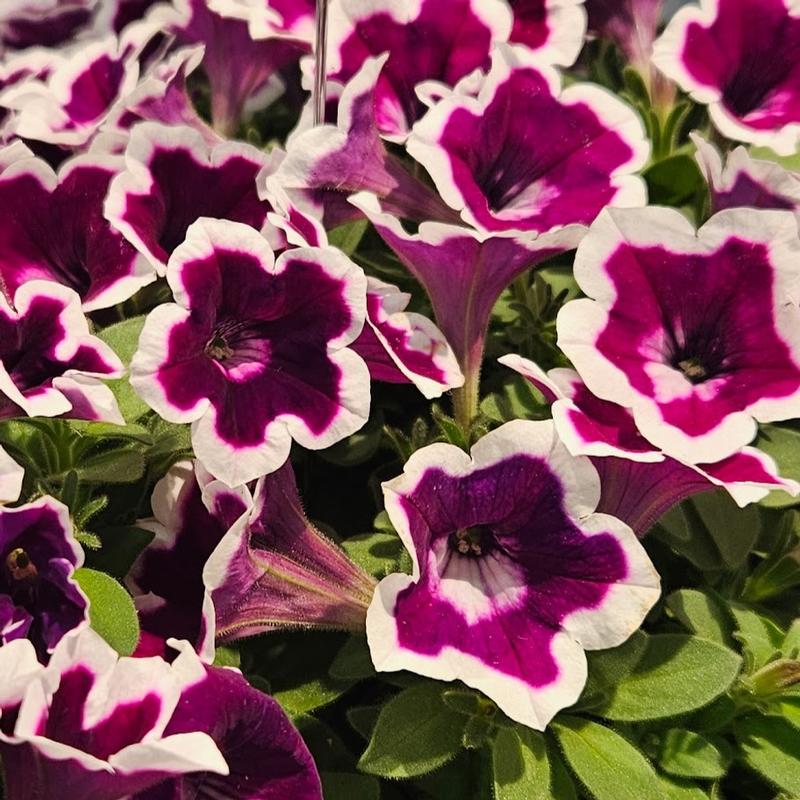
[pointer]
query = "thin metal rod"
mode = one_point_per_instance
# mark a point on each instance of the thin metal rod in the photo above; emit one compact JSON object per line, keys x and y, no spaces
{"x":320,"y":52}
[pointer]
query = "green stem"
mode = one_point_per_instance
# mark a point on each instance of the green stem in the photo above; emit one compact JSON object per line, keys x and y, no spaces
{"x":465,"y":398}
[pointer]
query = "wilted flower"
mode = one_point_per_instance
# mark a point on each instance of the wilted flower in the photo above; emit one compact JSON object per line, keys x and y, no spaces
{"x":448,"y":39}
{"x":697,"y":333}
{"x":50,"y":364}
{"x":514,"y":575}
{"x":526,"y":155}
{"x":254,"y":353}
{"x":54,"y":229}
{"x":274,"y":570}
{"x":39,"y":598}
{"x":739,"y":57}
{"x":173,"y":177}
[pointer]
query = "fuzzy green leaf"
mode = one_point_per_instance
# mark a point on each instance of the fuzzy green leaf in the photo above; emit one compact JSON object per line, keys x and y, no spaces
{"x":111,"y":610}
{"x":688,"y":755}
{"x":520,"y":766}
{"x":760,"y":637}
{"x":771,"y":746}
{"x":123,"y":339}
{"x":701,"y":614}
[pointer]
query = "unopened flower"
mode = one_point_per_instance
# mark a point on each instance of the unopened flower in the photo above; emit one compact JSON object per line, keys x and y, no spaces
{"x":739,"y":57}
{"x":696,"y":333}
{"x":514,"y":575}
{"x":254,"y":352}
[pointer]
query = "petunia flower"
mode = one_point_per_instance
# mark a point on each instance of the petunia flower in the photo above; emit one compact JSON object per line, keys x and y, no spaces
{"x":514,"y":574}
{"x":54,"y":229}
{"x":192,"y":511}
{"x":93,"y":725}
{"x":79,"y":93}
{"x":266,"y":756}
{"x":327,"y":163}
{"x":746,"y":182}
{"x":268,"y":19}
{"x":254,"y":352}
{"x":527,"y":155}
{"x":11,"y":477}
{"x":39,"y":597}
{"x":639,"y":482}
{"x":697,"y":333}
{"x":464,"y":273}
{"x":15,"y":68}
{"x":274,"y":569}
{"x":553,"y":29}
{"x":241,"y":71}
{"x":43,"y":23}
{"x":741,"y":59}
{"x":426,"y":40}
{"x":19,"y":666}
{"x":50,"y":365}
{"x":173,"y":177}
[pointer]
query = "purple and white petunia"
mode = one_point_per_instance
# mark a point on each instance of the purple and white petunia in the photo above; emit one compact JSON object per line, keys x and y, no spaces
{"x":742,"y":59}
{"x":173,"y":177}
{"x":746,"y":182}
{"x":44,"y":23}
{"x":528,"y":155}
{"x":50,"y":365}
{"x":192,"y":511}
{"x":327,"y":163}
{"x":68,"y":106}
{"x":254,"y":352}
{"x":426,"y":40}
{"x":268,"y":19}
{"x":697,"y":332}
{"x":53,"y":229}
{"x":39,"y":598}
{"x":274,"y":569}
{"x":553,"y":29}
{"x":243,"y":73}
{"x":514,"y":574}
{"x":266,"y":756}
{"x":93,"y":724}
{"x":639,"y":482}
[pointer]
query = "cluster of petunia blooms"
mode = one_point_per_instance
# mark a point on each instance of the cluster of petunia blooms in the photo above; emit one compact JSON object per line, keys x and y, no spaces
{"x":450,"y":128}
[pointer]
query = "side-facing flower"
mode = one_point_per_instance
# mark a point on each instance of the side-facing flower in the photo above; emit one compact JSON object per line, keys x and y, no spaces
{"x":254,"y":352}
{"x":697,"y":333}
{"x":275,"y":570}
{"x":173,"y":177}
{"x":39,"y":598}
{"x":746,"y":182}
{"x":464,"y":272}
{"x":54,"y":229}
{"x":739,"y":57}
{"x":192,"y":511}
{"x":553,"y":29}
{"x":78,"y":94}
{"x":239,"y":68}
{"x":93,"y":724}
{"x":639,"y":482}
{"x":266,"y":756}
{"x":514,"y":575}
{"x":528,"y":155}
{"x":327,"y":163}
{"x":426,"y":40}
{"x":50,"y":365}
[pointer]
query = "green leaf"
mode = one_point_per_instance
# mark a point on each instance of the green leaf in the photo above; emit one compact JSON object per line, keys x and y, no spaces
{"x":771,"y":746}
{"x":358,"y":447}
{"x":378,"y":553}
{"x":689,"y":755}
{"x":676,"y":674}
{"x":111,"y":610}
{"x":363,"y":719}
{"x":520,"y":766}
{"x":760,"y":637}
{"x":791,"y":642}
{"x":353,"y":661}
{"x":123,"y":339}
{"x":783,"y":444}
{"x":681,"y":789}
{"x":311,"y":695}
{"x":415,"y":733}
{"x":608,"y":765}
{"x":674,"y":180}
{"x":347,"y":237}
{"x":227,"y":657}
{"x":701,"y":614}
{"x":114,"y":466}
{"x":349,"y":786}
{"x":607,"y":668}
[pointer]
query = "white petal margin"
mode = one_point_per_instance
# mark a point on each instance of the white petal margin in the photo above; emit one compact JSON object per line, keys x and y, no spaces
{"x":617,"y":618}
{"x":566,"y":20}
{"x":19,"y":667}
{"x":11,"y":477}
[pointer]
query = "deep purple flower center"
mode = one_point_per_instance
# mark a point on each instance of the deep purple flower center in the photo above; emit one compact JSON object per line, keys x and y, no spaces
{"x":700,"y":354}
{"x":474,"y":542}
{"x":234,"y":343}
{"x":21,"y":578}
